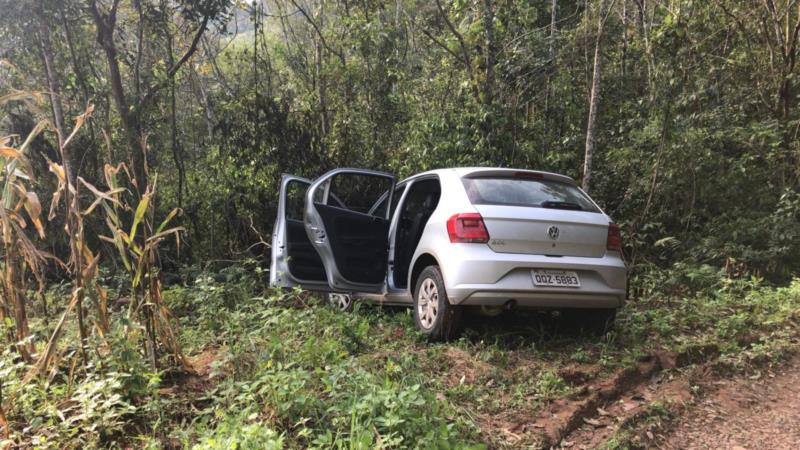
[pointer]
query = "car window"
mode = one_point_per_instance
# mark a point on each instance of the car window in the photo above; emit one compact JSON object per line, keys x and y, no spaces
{"x":356,"y":192}
{"x":295,"y":194}
{"x":398,"y":193}
{"x":526,"y":192}
{"x":380,"y":208}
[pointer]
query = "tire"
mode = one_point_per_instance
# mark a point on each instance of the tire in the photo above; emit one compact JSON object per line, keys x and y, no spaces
{"x":593,"y":321}
{"x":339,"y":301}
{"x":434,"y":315}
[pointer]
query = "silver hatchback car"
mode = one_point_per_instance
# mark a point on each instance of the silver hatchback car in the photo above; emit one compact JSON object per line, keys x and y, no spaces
{"x":448,"y":239}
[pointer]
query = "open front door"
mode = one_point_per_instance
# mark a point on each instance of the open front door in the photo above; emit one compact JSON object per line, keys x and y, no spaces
{"x":295,"y":262}
{"x":349,"y":233}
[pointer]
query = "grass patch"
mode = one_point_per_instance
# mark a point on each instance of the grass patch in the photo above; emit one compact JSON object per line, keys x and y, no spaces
{"x":286,"y":371}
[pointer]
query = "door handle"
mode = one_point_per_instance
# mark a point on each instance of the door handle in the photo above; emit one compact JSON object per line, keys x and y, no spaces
{"x":319,"y":232}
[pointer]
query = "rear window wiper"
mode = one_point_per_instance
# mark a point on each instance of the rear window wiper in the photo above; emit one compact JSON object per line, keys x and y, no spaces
{"x":561,"y":205}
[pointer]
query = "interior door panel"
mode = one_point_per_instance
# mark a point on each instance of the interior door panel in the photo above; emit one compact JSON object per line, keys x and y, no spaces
{"x":349,"y":234}
{"x":358,"y":242}
{"x":295,"y":261}
{"x":304,"y":261}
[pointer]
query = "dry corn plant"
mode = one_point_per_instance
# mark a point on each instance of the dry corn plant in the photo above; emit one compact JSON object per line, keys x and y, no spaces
{"x":19,"y":207}
{"x":137,"y":245}
{"x":83,"y":264}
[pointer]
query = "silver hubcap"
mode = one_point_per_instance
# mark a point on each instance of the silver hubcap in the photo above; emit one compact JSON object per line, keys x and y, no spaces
{"x":340,"y":301}
{"x":428,"y":303}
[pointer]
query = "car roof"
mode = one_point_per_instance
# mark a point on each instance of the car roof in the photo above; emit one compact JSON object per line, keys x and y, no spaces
{"x":491,"y":171}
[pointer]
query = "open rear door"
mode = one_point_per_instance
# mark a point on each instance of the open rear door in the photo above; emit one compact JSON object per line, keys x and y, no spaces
{"x":350,"y":235}
{"x":295,"y":262}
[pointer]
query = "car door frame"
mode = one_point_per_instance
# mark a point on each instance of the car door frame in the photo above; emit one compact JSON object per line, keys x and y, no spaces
{"x":404,"y":293}
{"x":279,"y":274}
{"x":320,"y":239}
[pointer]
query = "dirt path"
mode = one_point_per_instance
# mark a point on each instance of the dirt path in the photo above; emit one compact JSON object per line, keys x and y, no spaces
{"x":745,"y":413}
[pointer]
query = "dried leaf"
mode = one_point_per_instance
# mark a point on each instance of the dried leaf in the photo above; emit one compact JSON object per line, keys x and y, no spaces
{"x":99,"y":200}
{"x":91,"y":263}
{"x":54,"y":202}
{"x":16,"y":218}
{"x":111,"y":173}
{"x":34,"y":209}
{"x":79,"y":123}
{"x":58,"y":171}
{"x":593,"y":422}
{"x":103,"y":195}
{"x":165,"y":233}
{"x":9,"y":152}
{"x":102,"y":295}
{"x":18,"y":95}
{"x":20,"y":174}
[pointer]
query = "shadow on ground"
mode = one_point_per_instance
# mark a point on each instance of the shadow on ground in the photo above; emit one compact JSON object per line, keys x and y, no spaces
{"x":518,"y":328}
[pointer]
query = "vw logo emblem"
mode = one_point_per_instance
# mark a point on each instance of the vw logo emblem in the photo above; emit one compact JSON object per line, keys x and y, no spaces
{"x":553,"y":232}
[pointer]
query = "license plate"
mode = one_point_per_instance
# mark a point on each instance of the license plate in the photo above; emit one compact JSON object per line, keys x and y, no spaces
{"x":555,"y":278}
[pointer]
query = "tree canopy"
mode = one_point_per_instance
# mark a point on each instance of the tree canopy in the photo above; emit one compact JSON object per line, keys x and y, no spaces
{"x":695,"y":148}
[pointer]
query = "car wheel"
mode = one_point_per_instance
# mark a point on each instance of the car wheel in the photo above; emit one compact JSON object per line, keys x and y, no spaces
{"x":594,"y":321}
{"x":342,"y":302}
{"x":433,"y":313}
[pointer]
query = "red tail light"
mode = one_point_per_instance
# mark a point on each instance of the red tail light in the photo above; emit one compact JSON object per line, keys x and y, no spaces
{"x":614,"y":241}
{"x":468,"y":227}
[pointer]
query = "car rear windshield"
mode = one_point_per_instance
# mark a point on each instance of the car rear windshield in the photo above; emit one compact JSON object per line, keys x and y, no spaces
{"x":526,"y":192}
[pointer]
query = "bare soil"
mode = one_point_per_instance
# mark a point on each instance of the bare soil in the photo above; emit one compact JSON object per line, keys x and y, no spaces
{"x":761,"y":411}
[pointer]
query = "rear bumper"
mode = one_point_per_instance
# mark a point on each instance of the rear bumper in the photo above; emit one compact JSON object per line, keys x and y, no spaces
{"x":476,"y":275}
{"x":527,"y":299}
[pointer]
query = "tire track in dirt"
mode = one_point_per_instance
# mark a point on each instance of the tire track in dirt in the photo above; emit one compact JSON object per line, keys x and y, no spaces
{"x":564,"y":416}
{"x":598,"y":410}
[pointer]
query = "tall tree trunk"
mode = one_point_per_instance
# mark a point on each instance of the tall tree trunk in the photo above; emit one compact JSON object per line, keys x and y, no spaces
{"x":553,"y":9}
{"x":624,"y":62}
{"x":644,"y":28}
{"x":256,"y":20}
{"x":489,"y":51}
{"x":173,"y":130}
{"x":594,"y":100}
{"x":208,"y":112}
{"x":319,"y":79}
{"x":105,"y":24}
{"x":81,"y":78}
{"x":552,"y":55}
{"x":73,"y":221}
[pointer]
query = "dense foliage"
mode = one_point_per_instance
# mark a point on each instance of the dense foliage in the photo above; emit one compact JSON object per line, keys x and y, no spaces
{"x":697,"y":149}
{"x":157,"y":131}
{"x":267,"y":375}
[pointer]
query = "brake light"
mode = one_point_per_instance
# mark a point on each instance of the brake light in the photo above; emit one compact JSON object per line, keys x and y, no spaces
{"x":614,"y":241}
{"x":468,"y":228}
